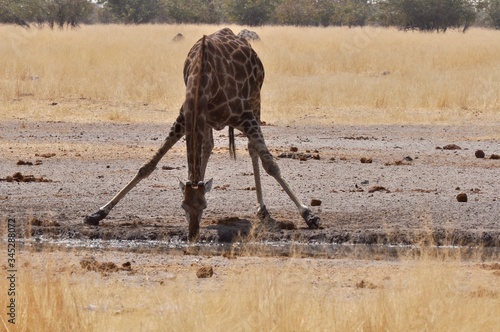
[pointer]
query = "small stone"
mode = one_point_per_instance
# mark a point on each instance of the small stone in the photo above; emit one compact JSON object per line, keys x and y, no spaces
{"x":315,"y":202}
{"x":479,"y":154}
{"x":365,"y":160}
{"x":294,"y":149}
{"x":462,"y":197}
{"x":494,"y":156}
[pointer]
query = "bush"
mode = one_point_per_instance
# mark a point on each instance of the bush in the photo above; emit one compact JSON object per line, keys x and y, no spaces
{"x":40,"y":12}
{"x":429,"y":15}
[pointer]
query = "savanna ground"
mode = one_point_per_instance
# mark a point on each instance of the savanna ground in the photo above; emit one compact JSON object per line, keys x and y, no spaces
{"x":87,"y":107}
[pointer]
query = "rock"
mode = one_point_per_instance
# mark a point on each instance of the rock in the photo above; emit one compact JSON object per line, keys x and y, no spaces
{"x":205,"y":272}
{"x":294,"y":149}
{"x":462,"y":197}
{"x":494,"y":156}
{"x":479,"y":154}
{"x":365,"y":160}
{"x":315,"y":202}
{"x":178,"y":37}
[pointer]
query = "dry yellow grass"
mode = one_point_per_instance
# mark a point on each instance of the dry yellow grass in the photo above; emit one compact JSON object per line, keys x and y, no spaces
{"x":325,"y":75}
{"x":53,"y":293}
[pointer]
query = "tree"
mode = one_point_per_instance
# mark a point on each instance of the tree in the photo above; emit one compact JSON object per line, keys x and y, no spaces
{"x":249,"y":12}
{"x":10,"y":12}
{"x":40,"y":12}
{"x":197,"y":11}
{"x":350,"y":13}
{"x":134,"y":11}
{"x":297,"y":12}
{"x":429,"y":15}
{"x":492,"y":8}
{"x":68,"y":12}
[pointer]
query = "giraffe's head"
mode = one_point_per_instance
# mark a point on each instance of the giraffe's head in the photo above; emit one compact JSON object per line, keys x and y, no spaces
{"x":193,"y":204}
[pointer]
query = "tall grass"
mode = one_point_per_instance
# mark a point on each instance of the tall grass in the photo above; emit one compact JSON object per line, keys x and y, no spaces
{"x":272,"y":294}
{"x":337,"y":74}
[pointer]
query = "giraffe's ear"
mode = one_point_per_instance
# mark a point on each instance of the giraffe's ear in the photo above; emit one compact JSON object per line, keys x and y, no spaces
{"x":182,"y":186}
{"x":208,"y":185}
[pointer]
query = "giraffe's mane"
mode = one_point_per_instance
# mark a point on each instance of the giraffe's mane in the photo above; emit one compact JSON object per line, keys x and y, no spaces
{"x":196,"y":110}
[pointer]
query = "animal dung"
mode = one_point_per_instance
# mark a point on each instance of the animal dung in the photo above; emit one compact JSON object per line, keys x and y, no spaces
{"x":205,"y":272}
{"x":45,"y":155}
{"x":315,"y":202}
{"x":379,"y":188}
{"x":462,"y":197}
{"x":451,"y":147}
{"x":18,"y":177}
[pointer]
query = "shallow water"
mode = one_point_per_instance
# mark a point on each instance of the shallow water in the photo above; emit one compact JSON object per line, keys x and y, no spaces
{"x":263,"y":249}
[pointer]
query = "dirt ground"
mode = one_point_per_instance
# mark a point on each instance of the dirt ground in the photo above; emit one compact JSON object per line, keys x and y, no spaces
{"x":405,"y":190}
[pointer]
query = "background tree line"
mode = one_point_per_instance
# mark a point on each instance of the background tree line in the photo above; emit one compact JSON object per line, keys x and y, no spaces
{"x":425,"y":15}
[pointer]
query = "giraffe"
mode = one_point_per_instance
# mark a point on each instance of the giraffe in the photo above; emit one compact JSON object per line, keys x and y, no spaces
{"x":249,"y":35}
{"x":223,"y":77}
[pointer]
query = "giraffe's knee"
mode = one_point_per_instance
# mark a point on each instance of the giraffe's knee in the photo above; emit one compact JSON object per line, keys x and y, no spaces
{"x":270,"y":166}
{"x":145,"y":170}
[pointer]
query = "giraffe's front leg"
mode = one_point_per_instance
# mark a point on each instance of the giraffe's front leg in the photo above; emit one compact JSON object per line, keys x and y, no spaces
{"x":176,"y":132}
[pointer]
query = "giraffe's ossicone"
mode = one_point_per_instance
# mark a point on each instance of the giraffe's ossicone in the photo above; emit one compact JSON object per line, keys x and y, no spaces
{"x":223,"y":77}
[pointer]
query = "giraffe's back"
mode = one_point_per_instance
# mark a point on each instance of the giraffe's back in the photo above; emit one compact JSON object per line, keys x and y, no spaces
{"x":232,"y":78}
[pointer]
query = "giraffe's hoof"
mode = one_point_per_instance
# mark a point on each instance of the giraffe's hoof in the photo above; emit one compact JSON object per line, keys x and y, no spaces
{"x":94,"y":218}
{"x":263,"y":213}
{"x":265,"y":216}
{"x":313,"y":221}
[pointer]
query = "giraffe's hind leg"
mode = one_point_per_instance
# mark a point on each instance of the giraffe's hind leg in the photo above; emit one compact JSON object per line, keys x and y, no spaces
{"x":262,"y":213}
{"x":257,"y":147}
{"x":176,"y":132}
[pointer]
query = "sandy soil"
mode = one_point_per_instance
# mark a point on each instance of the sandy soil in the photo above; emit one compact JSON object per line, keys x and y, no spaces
{"x":77,"y":167}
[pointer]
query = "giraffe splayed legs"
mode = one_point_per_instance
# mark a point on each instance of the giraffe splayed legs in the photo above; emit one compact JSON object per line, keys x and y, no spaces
{"x":176,"y":133}
{"x":223,"y":77}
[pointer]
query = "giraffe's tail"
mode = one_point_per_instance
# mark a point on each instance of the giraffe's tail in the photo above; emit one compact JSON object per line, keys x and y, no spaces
{"x":232,"y":146}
